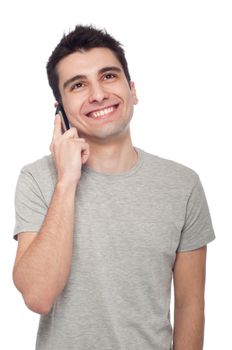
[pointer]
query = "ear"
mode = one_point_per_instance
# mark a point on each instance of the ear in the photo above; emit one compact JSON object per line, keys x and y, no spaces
{"x":133,"y":92}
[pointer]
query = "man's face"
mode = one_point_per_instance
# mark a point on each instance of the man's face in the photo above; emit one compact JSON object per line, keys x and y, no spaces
{"x":95,"y":94}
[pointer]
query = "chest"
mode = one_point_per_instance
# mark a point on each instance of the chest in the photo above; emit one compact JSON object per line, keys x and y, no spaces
{"x":128,"y":225}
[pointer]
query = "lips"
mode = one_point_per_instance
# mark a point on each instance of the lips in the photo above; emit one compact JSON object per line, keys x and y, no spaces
{"x":103,"y":112}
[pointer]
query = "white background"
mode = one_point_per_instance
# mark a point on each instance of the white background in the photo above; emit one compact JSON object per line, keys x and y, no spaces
{"x":180,"y":57}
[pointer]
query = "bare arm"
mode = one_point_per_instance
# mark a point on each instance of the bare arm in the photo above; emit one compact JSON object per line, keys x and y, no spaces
{"x":43,"y":261}
{"x":189,"y":284}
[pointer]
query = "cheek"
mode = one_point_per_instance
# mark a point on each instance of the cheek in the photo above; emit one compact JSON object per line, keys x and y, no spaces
{"x":74,"y":103}
{"x":72,"y":107}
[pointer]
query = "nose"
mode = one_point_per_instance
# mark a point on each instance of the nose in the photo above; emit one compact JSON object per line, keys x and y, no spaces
{"x":97,"y":93}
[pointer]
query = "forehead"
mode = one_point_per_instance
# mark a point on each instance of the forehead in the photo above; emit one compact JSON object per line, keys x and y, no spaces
{"x":86,"y":63}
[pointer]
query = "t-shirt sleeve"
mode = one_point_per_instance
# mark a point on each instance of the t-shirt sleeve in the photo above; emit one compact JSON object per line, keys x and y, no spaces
{"x":30,"y":206}
{"x":197,"y":230}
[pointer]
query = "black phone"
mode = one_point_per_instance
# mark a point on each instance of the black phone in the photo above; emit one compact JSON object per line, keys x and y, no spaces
{"x":64,"y":119}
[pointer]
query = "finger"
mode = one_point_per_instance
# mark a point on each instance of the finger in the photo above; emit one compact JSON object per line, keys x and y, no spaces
{"x":80,"y":139}
{"x":57,"y":132}
{"x":85,"y":153}
{"x":71,"y":133}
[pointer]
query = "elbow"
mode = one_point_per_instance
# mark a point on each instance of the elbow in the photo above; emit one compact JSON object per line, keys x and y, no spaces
{"x":38,"y":305}
{"x":39,"y":300}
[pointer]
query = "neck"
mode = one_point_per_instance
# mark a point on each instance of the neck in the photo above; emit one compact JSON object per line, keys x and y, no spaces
{"x":113,"y":157}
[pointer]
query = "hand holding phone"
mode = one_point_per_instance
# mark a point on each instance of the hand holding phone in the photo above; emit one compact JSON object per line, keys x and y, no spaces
{"x":69,"y":151}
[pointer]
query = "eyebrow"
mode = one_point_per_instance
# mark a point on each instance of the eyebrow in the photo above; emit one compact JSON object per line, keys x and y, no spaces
{"x":101,"y":71}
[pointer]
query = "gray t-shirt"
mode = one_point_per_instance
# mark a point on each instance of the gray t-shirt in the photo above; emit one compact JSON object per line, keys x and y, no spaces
{"x":128,"y":228}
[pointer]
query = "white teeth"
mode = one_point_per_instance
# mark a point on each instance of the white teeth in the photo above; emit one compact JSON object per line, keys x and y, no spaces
{"x":102,"y":112}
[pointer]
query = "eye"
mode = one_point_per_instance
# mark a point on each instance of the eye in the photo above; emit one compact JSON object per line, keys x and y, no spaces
{"x":109,"y":76}
{"x":77,"y":86}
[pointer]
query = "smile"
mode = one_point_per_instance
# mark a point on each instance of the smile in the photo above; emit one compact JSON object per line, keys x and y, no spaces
{"x":102,"y":112}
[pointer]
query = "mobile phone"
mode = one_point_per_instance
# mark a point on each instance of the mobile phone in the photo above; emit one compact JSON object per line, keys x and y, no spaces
{"x":64,"y":119}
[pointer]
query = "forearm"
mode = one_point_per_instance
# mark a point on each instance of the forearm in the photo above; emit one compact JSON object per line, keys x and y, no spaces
{"x":188,"y":328}
{"x":42,"y":272}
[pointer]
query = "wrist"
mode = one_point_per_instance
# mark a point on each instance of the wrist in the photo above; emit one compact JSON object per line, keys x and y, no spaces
{"x":66,"y":186}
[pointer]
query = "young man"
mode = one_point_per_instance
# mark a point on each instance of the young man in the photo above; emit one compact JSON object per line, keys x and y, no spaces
{"x":103,"y":226}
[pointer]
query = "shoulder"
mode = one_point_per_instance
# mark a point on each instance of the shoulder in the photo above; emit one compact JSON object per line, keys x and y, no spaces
{"x":170,"y":172}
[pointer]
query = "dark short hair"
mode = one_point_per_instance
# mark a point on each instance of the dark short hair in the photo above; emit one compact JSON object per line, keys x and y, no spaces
{"x":81,"y":39}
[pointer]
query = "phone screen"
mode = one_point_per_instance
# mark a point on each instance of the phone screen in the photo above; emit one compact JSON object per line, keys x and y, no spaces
{"x":64,"y":119}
